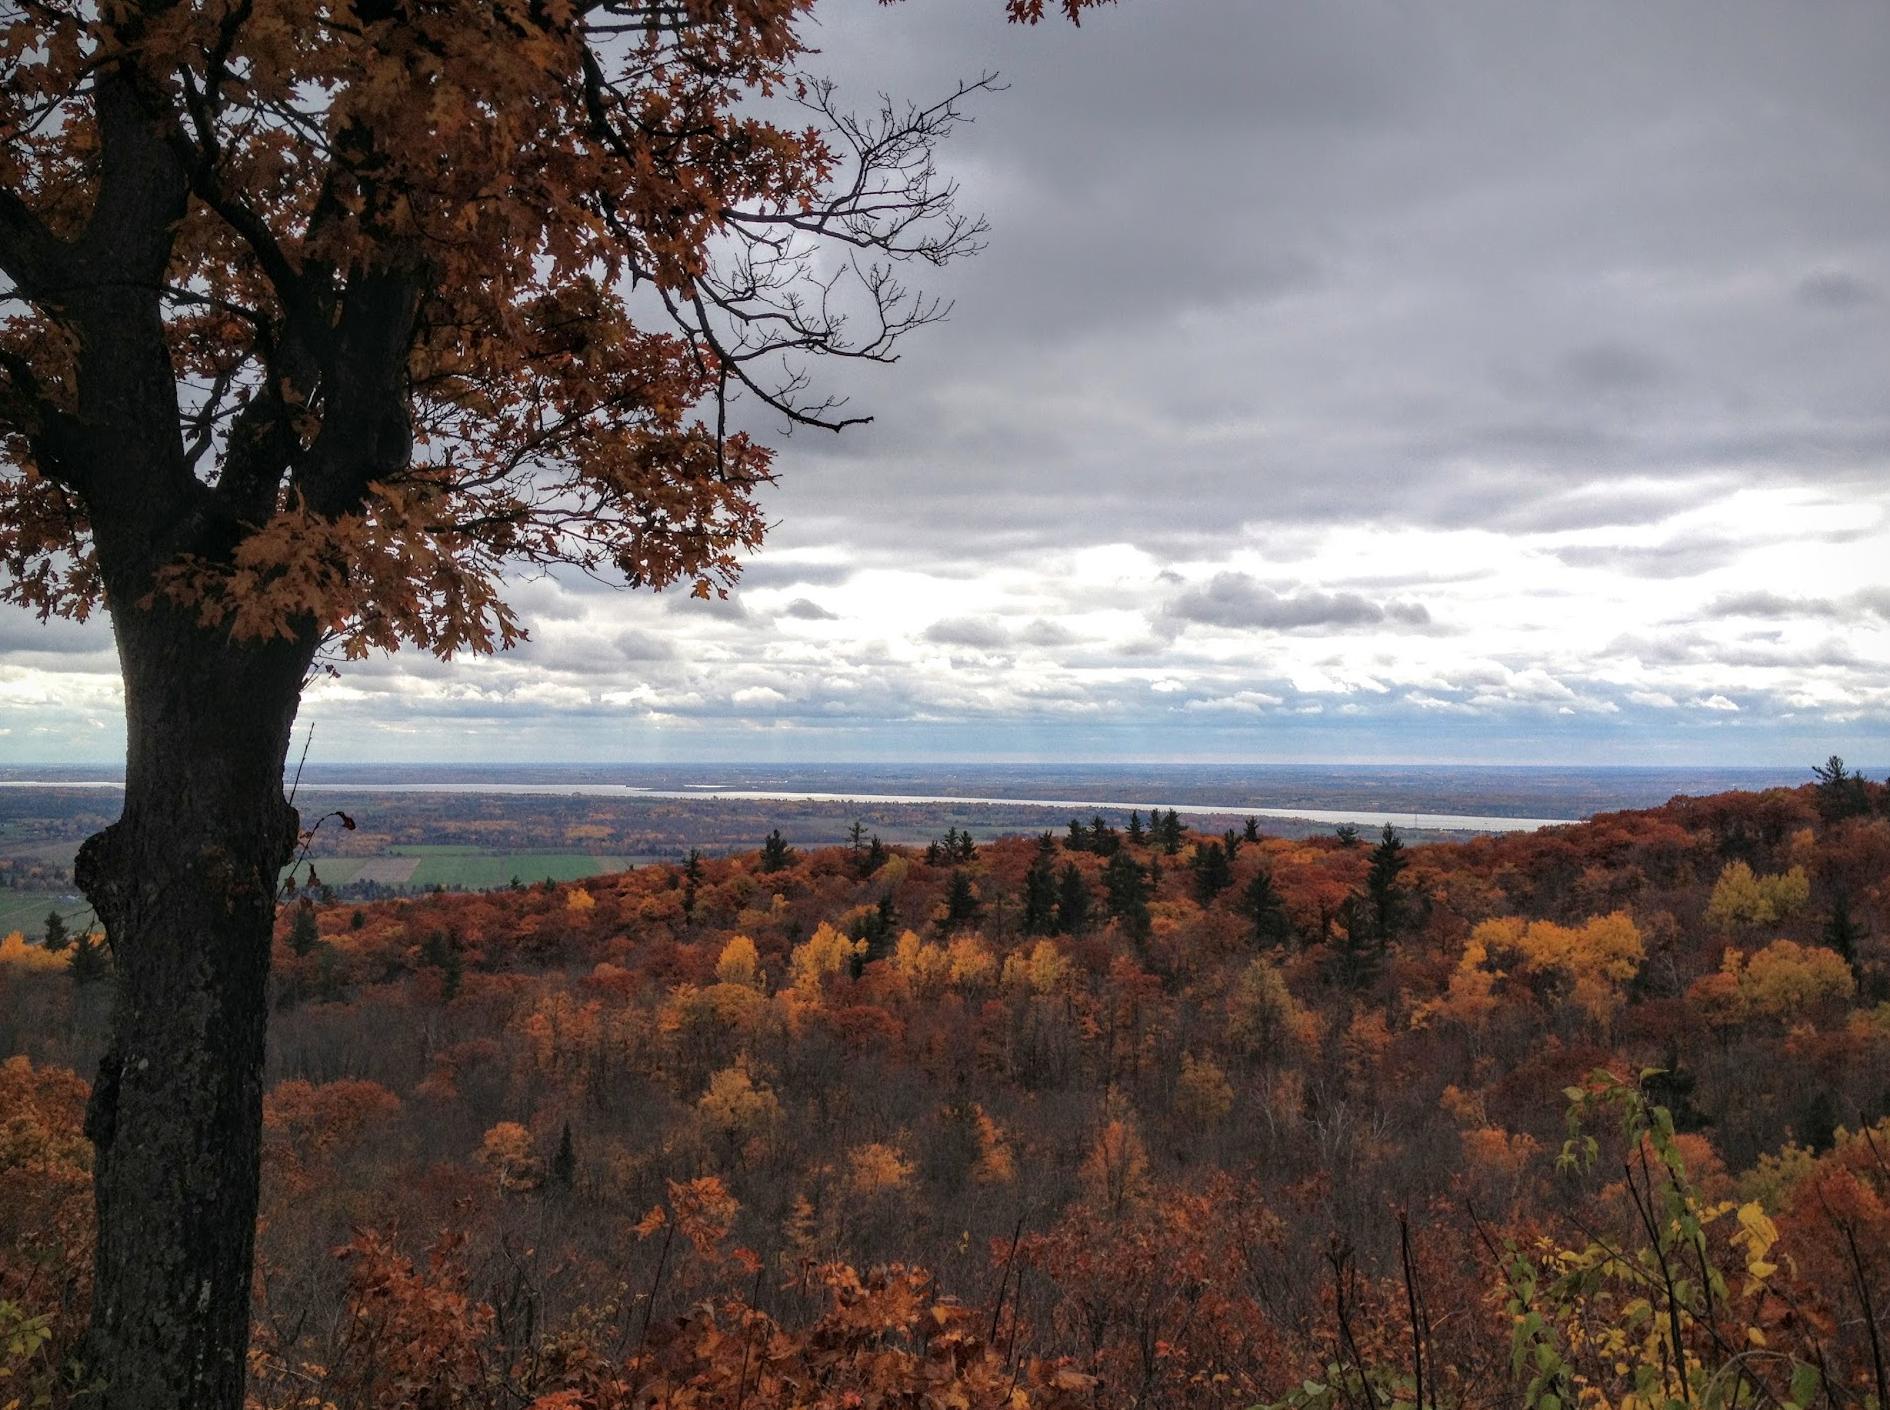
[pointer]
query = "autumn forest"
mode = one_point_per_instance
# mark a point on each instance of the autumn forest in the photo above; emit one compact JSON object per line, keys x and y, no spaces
{"x":1119,"y":1116}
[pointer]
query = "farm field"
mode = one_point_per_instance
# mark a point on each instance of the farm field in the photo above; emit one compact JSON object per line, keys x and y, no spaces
{"x":460,"y":867}
{"x":25,"y":911}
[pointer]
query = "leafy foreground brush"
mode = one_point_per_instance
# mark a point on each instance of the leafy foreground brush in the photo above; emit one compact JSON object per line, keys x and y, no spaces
{"x":1687,"y":1312}
{"x":1690,"y":1302}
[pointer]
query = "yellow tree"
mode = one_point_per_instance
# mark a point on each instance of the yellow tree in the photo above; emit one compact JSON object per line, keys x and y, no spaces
{"x":317,"y":315}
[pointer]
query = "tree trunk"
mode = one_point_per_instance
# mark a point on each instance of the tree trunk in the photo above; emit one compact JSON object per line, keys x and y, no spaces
{"x":185,"y":883}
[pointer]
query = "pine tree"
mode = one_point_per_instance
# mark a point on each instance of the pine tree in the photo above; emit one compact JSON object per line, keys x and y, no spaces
{"x":1842,"y":933}
{"x":856,"y":837}
{"x":1252,"y":834}
{"x":692,"y":880}
{"x":1389,"y":900}
{"x":1265,"y":908}
{"x":967,"y":848}
{"x":564,"y":1163}
{"x":1841,"y":793}
{"x":961,"y":902}
{"x":57,"y":937}
{"x":304,"y":933}
{"x":441,"y":950}
{"x":1135,"y":828}
{"x":875,"y":857}
{"x":1040,"y":889}
{"x":775,"y":853}
{"x":1078,"y":840}
{"x":1171,"y":833}
{"x":1212,"y":874}
{"x":88,"y":960}
{"x":1354,"y":952}
{"x":1347,"y":833}
{"x":1231,"y":840}
{"x":1127,"y":887}
{"x":1072,"y":901}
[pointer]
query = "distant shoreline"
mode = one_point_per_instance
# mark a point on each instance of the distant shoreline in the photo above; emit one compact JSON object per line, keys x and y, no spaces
{"x":1361,"y":817}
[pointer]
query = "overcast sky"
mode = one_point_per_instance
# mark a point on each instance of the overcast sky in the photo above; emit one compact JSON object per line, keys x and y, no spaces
{"x":1408,"y":381}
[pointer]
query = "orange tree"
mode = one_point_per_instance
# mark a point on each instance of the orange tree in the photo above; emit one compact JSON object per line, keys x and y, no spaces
{"x":319,"y":314}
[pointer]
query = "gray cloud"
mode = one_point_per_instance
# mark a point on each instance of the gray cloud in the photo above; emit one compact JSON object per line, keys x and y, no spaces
{"x":807,"y":610}
{"x":1837,"y":290}
{"x":981,"y":634}
{"x":1238,"y":601}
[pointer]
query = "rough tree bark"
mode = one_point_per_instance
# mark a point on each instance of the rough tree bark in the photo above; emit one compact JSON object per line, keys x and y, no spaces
{"x":185,"y":882}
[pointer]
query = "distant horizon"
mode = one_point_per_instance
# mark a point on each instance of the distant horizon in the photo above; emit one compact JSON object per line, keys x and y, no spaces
{"x":1021,"y":761}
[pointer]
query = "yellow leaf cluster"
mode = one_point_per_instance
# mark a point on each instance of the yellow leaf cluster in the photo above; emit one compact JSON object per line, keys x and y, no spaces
{"x":16,"y":954}
{"x":1742,"y":898}
{"x":877,"y":1168}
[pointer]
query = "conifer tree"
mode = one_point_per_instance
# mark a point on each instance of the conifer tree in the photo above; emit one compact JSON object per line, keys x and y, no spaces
{"x":775,"y":853}
{"x":87,"y":960}
{"x":1252,"y":833}
{"x":1842,"y":932}
{"x":1265,"y":908}
{"x":875,"y":856}
{"x":1135,"y":828}
{"x":1127,"y":889}
{"x":1347,"y":833}
{"x":961,"y":901}
{"x":1389,"y":900}
{"x":56,"y":936}
{"x":1078,"y":840}
{"x":1212,"y":874}
{"x":1072,"y":901}
{"x":1354,"y":950}
{"x":1040,"y":889}
{"x":692,"y":881}
{"x":304,"y":933}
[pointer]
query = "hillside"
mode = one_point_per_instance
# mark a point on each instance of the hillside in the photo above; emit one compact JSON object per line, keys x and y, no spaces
{"x":1164,"y":1120}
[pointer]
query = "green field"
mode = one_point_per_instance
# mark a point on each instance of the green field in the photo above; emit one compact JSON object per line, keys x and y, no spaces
{"x":469,"y":868}
{"x":26,"y":910}
{"x":483,"y":871}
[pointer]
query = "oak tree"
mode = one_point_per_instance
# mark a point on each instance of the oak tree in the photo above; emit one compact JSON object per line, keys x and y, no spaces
{"x":319,"y":317}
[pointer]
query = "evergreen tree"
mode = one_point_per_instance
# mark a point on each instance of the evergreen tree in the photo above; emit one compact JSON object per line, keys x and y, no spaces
{"x":775,"y":853}
{"x":967,"y":848}
{"x":1072,"y":901}
{"x":1266,"y":908}
{"x":1127,"y":888}
{"x":1135,"y":828}
{"x":875,"y":856}
{"x":1842,"y":932}
{"x":692,"y":880}
{"x":934,"y":854}
{"x":57,"y":937}
{"x":961,"y":902}
{"x":1104,"y":840}
{"x":1347,"y":834}
{"x":359,"y":918}
{"x":87,"y":960}
{"x":1040,"y":889}
{"x":856,"y":837}
{"x":1252,"y":833}
{"x":1231,"y":840}
{"x":1078,"y":840}
{"x":441,"y":950}
{"x":1354,"y":951}
{"x":1389,"y":901}
{"x":564,"y":1163}
{"x":1212,"y":873}
{"x":1171,"y":833}
{"x":304,"y":933}
{"x":1841,"y":793}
